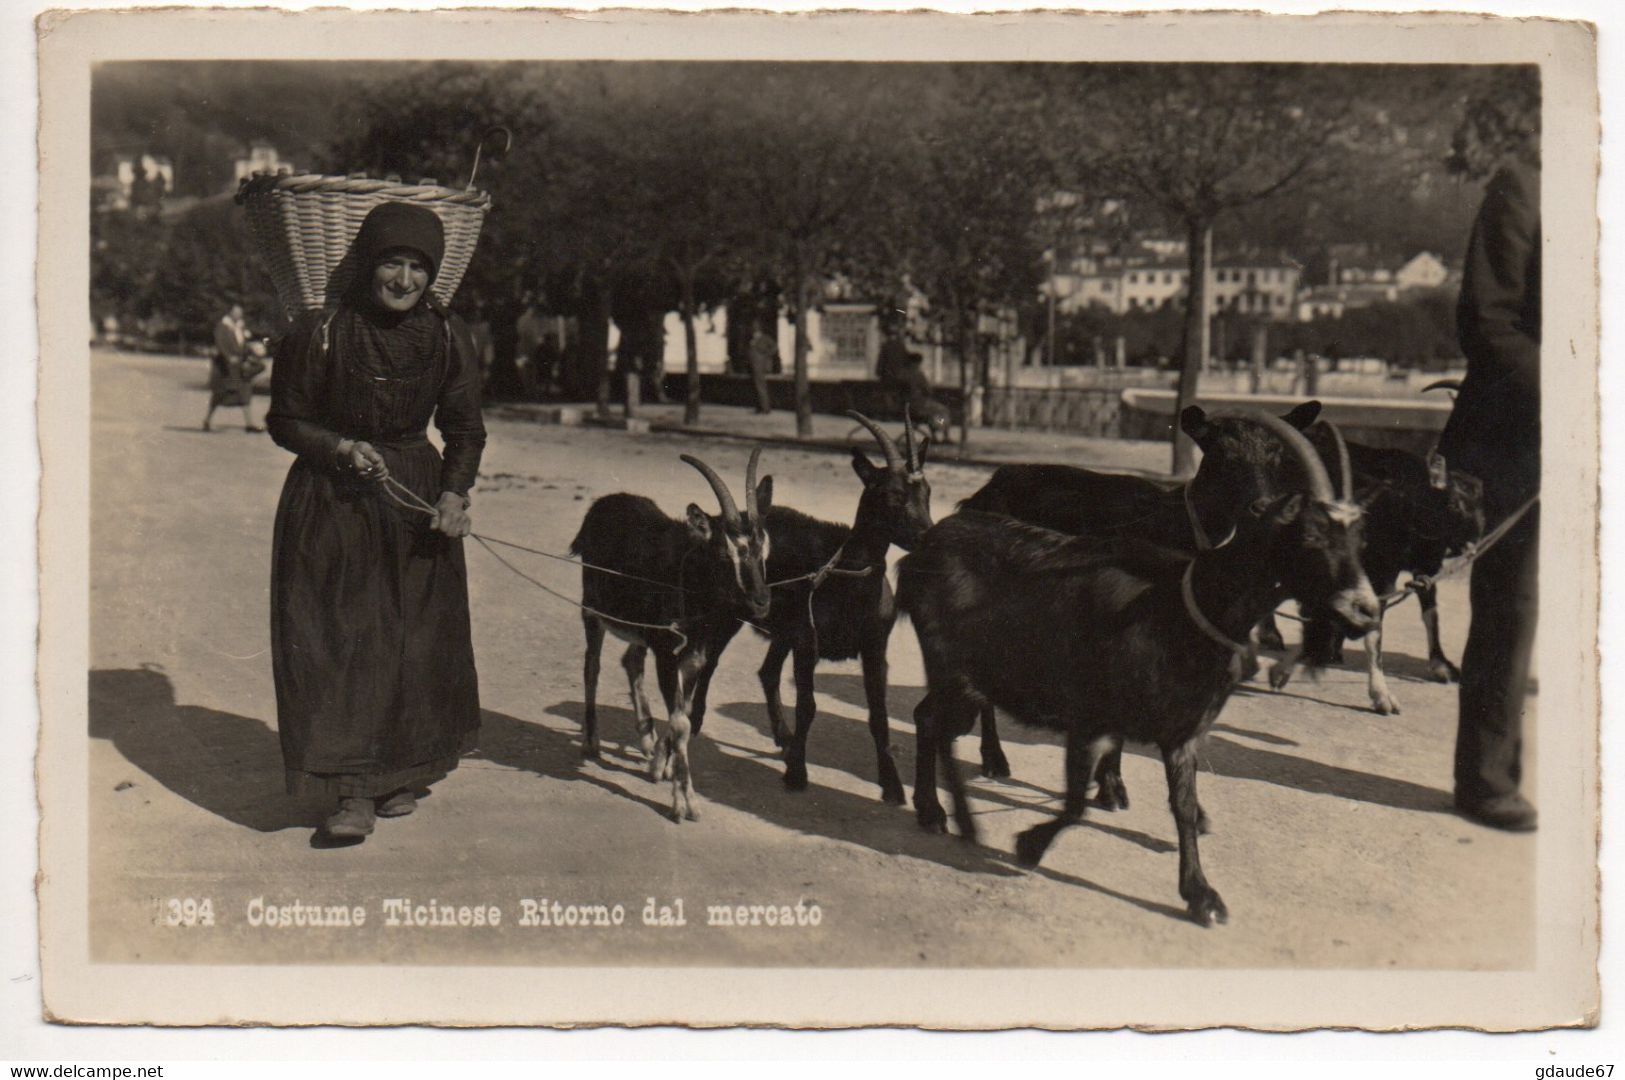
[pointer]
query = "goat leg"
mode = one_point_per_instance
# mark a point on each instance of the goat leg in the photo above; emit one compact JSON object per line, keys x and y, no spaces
{"x":1268,"y":634}
{"x":632,"y":662}
{"x":660,"y":752}
{"x":1110,"y":792}
{"x":1376,"y":681}
{"x":875,"y":668}
{"x":927,"y":810}
{"x":1083,"y":757}
{"x":1439,"y":664}
{"x":680,"y":735}
{"x":771,"y":675}
{"x":1281,"y":673}
{"x":994,"y":763}
{"x":589,"y":674}
{"x":1200,"y":898}
{"x":795,"y":751}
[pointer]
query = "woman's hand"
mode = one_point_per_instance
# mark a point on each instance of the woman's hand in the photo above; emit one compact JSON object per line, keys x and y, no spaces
{"x":451,"y":515}
{"x":363,"y":459}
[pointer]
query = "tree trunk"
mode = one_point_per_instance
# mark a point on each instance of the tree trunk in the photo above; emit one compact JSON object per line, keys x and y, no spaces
{"x":1261,"y":354}
{"x":598,"y":316}
{"x":803,"y":386}
{"x":1199,"y":233}
{"x":691,"y":403}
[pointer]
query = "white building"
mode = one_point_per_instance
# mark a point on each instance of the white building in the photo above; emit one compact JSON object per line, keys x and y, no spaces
{"x":1254,"y":286}
{"x":262,"y":158}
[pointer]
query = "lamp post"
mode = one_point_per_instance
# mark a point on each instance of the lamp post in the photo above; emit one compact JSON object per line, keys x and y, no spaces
{"x":1049,"y":344}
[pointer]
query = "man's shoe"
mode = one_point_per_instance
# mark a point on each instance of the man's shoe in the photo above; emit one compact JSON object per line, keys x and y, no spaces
{"x":354,"y":818}
{"x":400,"y":804}
{"x":1510,"y":812}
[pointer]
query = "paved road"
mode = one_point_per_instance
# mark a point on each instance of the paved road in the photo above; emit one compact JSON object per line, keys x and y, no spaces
{"x":1334,"y":846}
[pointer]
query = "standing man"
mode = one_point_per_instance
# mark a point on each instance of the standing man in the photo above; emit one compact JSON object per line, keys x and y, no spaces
{"x":763,"y":351}
{"x":233,"y":369}
{"x":1494,"y":433}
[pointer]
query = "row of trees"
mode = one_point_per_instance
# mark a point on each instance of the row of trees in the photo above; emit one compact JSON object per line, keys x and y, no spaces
{"x":690,"y":183}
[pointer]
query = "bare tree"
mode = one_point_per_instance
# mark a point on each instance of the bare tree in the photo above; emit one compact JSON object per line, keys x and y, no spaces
{"x":812,"y":143}
{"x":1198,"y":141}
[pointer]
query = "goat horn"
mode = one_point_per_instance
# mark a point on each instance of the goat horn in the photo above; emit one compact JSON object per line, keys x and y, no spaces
{"x":1442,"y":384}
{"x":1345,"y":470}
{"x":730,"y":512}
{"x":908,"y":441}
{"x":750,"y":487}
{"x":893,"y":461}
{"x":1320,"y":485}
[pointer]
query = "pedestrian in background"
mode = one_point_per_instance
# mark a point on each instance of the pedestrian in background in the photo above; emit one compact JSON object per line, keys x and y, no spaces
{"x":1494,"y":434}
{"x":375,"y":684}
{"x":233,"y":369}
{"x":764,"y":351}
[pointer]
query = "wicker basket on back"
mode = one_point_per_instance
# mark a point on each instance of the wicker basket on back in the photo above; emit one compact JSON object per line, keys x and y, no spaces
{"x":306,"y":226}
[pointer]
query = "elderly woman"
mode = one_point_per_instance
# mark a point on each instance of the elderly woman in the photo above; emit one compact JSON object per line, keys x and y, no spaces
{"x":375,"y":684}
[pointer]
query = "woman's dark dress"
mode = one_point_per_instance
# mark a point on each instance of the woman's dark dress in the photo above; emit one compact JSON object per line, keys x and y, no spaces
{"x":374,"y":667}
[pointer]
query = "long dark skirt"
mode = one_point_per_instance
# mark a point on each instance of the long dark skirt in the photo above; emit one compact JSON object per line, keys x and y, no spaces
{"x":375,"y":680}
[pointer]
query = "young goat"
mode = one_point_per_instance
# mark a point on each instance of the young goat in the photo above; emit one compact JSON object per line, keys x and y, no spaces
{"x":1241,"y":462}
{"x":699,"y":576}
{"x":1417,"y":515}
{"x":843,"y":570}
{"x":1106,"y":640}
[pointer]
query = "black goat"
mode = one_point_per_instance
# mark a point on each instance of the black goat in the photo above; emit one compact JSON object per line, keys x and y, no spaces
{"x":1107,"y":640}
{"x":1241,"y":462}
{"x":1417,"y":515}
{"x":843,"y":569}
{"x":710,"y":572}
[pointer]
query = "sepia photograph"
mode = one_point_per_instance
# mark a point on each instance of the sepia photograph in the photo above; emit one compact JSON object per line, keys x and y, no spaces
{"x":887,"y":519}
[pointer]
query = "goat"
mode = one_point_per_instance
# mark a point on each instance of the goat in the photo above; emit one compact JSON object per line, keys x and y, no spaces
{"x":699,"y":576}
{"x":1240,"y":462}
{"x":1105,"y":640}
{"x":1417,"y":515}
{"x":841,"y":572}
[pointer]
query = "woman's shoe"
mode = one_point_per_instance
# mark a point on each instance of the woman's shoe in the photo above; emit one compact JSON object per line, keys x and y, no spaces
{"x":399,"y":804}
{"x":354,"y":817}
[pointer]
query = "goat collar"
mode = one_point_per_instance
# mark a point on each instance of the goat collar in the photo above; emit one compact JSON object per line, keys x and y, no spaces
{"x":1203,"y":543}
{"x":1245,"y":652}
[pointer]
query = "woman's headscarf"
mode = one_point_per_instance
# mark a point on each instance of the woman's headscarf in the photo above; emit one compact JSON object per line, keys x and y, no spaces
{"x":391,"y":226}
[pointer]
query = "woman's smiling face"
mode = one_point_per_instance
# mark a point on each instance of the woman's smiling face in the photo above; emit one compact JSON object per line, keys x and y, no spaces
{"x":399,"y":280}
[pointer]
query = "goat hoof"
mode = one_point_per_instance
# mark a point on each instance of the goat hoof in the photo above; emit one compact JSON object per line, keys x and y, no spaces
{"x":932,"y":819}
{"x":795,"y":778}
{"x":1385,"y":705}
{"x":590,"y":753}
{"x":1444,"y":671}
{"x":692,"y":813}
{"x":996,"y":766}
{"x":1113,"y":795}
{"x":892,"y":796}
{"x":1280,"y":675}
{"x":1208,"y":909}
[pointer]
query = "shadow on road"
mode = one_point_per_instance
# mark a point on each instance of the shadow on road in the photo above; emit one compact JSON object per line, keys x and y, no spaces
{"x":227,"y":764}
{"x":849,"y":749}
{"x":511,"y":742}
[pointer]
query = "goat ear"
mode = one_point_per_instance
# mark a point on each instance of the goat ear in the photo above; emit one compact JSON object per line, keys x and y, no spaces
{"x":1287,"y":510}
{"x":1303,"y":415}
{"x":764,"y":497}
{"x":1193,"y":422}
{"x":699,"y":526}
{"x":1280,"y":510}
{"x":867,"y":470}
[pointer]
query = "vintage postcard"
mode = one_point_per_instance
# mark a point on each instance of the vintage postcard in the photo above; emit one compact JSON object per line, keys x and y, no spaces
{"x":934,"y":520}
